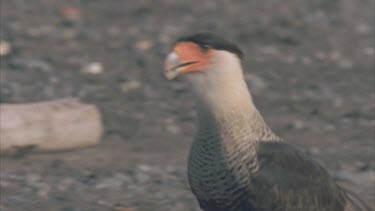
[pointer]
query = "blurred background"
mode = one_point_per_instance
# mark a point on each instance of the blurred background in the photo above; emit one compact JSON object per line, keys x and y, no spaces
{"x":309,"y":64}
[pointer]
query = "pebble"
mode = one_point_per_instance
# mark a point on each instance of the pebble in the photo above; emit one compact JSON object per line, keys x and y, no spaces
{"x":114,"y":182}
{"x":70,"y":13}
{"x":315,"y":150}
{"x":298,"y":124}
{"x":338,"y":102}
{"x":320,"y":55}
{"x":329,"y":127}
{"x":362,"y":28}
{"x":141,"y":177}
{"x":144,"y":44}
{"x":369,"y":51}
{"x":335,"y":55}
{"x":144,"y":167}
{"x":5,"y":48}
{"x":130,"y":86}
{"x":173,"y":129}
{"x":93,"y":68}
{"x":171,"y":126}
{"x":271,"y":50}
{"x":345,"y":64}
{"x":40,"y":31}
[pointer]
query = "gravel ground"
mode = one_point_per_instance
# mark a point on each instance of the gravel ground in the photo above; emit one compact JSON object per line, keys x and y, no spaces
{"x":309,"y":64}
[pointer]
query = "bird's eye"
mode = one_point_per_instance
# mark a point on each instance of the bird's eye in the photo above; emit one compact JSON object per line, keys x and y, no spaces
{"x":205,"y":47}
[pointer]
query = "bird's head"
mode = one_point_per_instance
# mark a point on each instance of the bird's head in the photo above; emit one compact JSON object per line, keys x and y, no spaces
{"x":200,"y":53}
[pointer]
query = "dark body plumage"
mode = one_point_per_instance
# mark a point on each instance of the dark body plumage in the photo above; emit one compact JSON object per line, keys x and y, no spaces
{"x":277,"y":178}
{"x":285,"y":180}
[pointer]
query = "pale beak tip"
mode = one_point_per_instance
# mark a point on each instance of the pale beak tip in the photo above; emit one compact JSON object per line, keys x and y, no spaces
{"x":170,"y":74}
{"x":170,"y":63}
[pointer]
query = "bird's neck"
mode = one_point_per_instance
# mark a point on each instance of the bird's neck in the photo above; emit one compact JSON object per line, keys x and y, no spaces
{"x":225,"y":107}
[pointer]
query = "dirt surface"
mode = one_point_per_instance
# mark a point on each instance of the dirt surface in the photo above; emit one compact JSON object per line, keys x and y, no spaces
{"x":310,"y":66}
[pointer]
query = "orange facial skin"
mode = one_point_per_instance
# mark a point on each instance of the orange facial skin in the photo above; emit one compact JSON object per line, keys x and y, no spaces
{"x":191,"y":52}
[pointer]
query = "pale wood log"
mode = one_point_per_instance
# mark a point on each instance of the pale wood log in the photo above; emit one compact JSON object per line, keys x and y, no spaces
{"x":49,"y":126}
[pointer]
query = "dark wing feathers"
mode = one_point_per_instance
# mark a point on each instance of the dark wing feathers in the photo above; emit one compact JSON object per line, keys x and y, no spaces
{"x":289,"y":180}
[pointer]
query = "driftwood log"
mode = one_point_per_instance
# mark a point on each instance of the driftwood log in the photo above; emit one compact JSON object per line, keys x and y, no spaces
{"x":49,"y":126}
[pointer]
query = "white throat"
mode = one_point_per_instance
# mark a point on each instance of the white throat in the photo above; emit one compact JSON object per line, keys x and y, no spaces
{"x":223,"y":87}
{"x":224,"y":98}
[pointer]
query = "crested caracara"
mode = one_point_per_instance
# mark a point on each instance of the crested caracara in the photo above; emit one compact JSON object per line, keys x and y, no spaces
{"x":236,"y":162}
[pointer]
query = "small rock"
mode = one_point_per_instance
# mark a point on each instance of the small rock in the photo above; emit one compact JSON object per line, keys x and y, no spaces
{"x":298,"y":124}
{"x":271,"y":50}
{"x":320,"y":55}
{"x":103,"y":203}
{"x":114,"y":182}
{"x":144,"y":44}
{"x":144,"y":167}
{"x":329,"y":127}
{"x":44,"y":190}
{"x":93,"y":68}
{"x":40,"y":31}
{"x":345,"y":63}
{"x":338,"y":102}
{"x":369,"y":51}
{"x":315,"y":150}
{"x":171,"y":126}
{"x":130,"y":85}
{"x":169,"y":120}
{"x":362,"y":28}
{"x":70,"y":13}
{"x":335,"y":55}
{"x":5,"y":48}
{"x":142,"y":177}
{"x":173,"y":129}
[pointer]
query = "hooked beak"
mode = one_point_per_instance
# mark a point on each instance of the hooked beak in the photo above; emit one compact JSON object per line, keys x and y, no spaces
{"x":174,"y":66}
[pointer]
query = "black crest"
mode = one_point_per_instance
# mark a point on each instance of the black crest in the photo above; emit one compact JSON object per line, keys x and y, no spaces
{"x":210,"y":40}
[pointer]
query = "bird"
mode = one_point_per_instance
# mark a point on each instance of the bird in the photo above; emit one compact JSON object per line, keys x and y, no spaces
{"x":236,"y":162}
